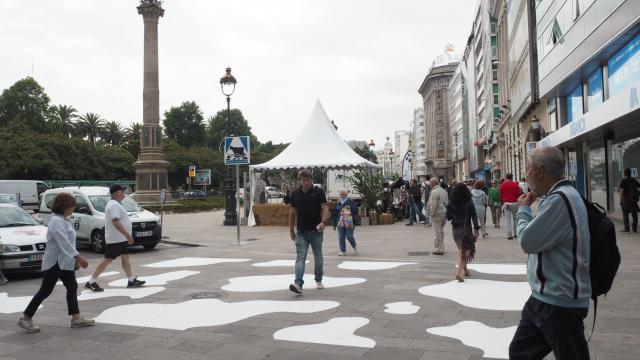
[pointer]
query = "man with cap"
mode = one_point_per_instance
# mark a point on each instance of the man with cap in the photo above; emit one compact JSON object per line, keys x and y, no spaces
{"x":117,"y":236}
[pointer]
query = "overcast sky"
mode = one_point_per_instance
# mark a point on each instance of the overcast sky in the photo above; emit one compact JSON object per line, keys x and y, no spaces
{"x":364,"y":59}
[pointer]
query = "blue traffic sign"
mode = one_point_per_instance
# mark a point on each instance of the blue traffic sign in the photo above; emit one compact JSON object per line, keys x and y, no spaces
{"x":236,"y":150}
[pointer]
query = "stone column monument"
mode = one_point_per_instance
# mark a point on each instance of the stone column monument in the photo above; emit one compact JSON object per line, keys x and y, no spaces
{"x":151,"y":167}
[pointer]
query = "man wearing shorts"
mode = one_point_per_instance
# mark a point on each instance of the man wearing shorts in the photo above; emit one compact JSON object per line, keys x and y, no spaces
{"x":117,"y":236}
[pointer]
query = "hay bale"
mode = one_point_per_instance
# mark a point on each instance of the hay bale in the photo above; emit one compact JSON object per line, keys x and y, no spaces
{"x":271,"y":214}
{"x":385,"y":219}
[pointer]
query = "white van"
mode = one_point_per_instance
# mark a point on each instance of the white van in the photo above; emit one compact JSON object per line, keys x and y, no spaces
{"x":29,"y":190}
{"x":88,"y":217}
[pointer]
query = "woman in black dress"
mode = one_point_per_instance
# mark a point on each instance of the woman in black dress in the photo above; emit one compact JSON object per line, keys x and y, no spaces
{"x":462,"y":213}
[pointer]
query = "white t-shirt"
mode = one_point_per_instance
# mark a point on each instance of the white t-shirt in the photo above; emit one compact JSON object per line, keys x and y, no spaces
{"x":115,"y":210}
{"x":524,"y":186}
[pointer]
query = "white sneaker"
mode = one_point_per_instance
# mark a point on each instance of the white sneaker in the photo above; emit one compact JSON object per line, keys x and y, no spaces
{"x":355,"y":251}
{"x":295,"y":288}
{"x":319,"y":285}
{"x":27,"y":325}
{"x":342,"y":253}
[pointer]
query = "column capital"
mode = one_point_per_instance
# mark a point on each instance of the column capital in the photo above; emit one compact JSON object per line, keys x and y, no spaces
{"x":150,"y":8}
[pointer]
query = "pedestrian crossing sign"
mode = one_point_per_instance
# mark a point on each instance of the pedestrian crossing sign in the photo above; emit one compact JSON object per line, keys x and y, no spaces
{"x":236,"y":150}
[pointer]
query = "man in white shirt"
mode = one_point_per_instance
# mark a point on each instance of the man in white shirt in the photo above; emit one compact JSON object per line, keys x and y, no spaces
{"x":117,"y":236}
{"x":524,"y":186}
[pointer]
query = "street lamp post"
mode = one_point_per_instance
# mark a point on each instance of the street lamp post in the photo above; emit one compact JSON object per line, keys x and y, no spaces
{"x":228,"y":86}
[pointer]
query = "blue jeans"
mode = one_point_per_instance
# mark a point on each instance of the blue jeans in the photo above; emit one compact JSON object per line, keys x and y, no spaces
{"x":416,"y":209}
{"x":303,"y":240}
{"x":348,"y":233}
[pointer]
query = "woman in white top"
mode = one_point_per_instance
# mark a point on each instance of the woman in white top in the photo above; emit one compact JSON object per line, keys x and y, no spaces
{"x":480,"y":199}
{"x":59,"y":262}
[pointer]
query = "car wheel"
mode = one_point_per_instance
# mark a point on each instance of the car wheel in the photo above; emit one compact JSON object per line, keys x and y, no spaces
{"x":149,"y":246}
{"x":97,"y":241}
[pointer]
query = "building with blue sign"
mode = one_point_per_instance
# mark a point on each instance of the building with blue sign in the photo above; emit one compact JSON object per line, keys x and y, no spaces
{"x":589,"y":72}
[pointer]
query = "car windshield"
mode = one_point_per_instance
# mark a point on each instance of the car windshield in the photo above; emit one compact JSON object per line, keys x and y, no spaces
{"x":100,"y":201}
{"x":14,"y":216}
{"x":8,"y":198}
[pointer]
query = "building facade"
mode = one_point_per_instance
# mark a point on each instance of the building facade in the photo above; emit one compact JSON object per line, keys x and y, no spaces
{"x":419,"y":144}
{"x":435,"y":92}
{"x":589,"y":72}
{"x":459,"y":122}
{"x":386,"y":158}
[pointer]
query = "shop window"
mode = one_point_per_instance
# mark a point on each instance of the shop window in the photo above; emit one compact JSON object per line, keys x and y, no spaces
{"x":597,"y":177}
{"x":575,"y":107}
{"x":596,"y":94}
{"x":623,"y":67}
{"x":624,"y":155}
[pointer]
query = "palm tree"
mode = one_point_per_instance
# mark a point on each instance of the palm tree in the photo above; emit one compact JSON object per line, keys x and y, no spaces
{"x":132,"y":133}
{"x":112,"y":133}
{"x":132,"y":138}
{"x":62,"y":118}
{"x":91,"y":125}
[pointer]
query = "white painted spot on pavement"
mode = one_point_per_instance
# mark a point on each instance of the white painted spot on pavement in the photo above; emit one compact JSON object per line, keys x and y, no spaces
{"x":160,"y":279}
{"x":193,"y":261}
{"x":494,"y":342}
{"x":401,"y":308}
{"x":10,"y":305}
{"x":337,"y":331}
{"x":482,"y":294}
{"x":276,"y":263}
{"x":281,"y":282}
{"x":84,"y":279}
{"x":372,"y":265}
{"x":500,"y":269}
{"x":133,"y":293}
{"x":203,"y":312}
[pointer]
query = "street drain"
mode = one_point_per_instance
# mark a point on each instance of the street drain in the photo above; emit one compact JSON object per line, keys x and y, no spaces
{"x":207,"y":295}
{"x":419,"y":253}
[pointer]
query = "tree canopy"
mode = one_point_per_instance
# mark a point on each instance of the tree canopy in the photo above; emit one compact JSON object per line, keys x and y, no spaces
{"x":184,"y":124}
{"x":26,"y":102}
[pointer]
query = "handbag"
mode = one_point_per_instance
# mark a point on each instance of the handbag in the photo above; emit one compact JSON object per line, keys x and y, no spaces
{"x":346,"y":219}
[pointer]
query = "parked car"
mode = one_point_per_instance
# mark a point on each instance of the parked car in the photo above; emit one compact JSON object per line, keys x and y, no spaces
{"x":10,"y":199}
{"x":22,"y":239}
{"x":272,"y":192}
{"x":195,"y":194}
{"x":88,"y":217}
{"x":29,"y":190}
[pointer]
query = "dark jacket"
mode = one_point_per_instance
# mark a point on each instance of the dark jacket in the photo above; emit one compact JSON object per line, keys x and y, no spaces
{"x":353,"y":207}
{"x":457,"y":215}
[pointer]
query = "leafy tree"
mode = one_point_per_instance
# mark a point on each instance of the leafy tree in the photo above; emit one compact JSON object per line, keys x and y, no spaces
{"x":238,"y":126}
{"x":25,"y":101}
{"x":184,"y":124}
{"x":180,"y":157}
{"x":61,"y":119}
{"x":112,"y":133}
{"x":367,"y":154}
{"x":90,"y":126}
{"x":35,"y":155}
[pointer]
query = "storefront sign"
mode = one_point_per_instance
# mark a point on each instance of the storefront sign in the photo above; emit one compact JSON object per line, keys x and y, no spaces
{"x":578,"y":127}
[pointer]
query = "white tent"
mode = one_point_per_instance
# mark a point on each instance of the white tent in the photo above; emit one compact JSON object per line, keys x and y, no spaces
{"x":317,"y":146}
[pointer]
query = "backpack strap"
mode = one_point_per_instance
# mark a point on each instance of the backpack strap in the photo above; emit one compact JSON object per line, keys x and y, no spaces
{"x":575,"y":258}
{"x":574,"y":248}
